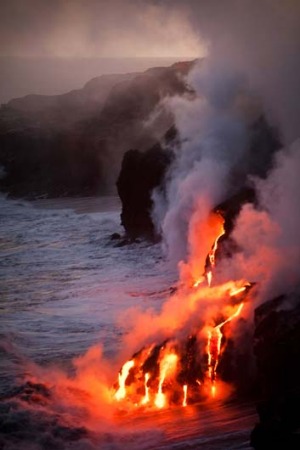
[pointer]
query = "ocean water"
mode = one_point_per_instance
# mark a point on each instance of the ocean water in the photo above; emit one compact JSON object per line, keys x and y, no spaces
{"x":66,"y":288}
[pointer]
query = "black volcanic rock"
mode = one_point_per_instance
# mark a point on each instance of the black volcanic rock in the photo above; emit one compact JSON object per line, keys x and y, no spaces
{"x":277,"y":351}
{"x":140,"y":174}
{"x":73,"y":144}
{"x":277,"y":344}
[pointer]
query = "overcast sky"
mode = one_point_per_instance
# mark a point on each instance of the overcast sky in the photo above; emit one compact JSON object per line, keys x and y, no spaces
{"x":96,"y":28}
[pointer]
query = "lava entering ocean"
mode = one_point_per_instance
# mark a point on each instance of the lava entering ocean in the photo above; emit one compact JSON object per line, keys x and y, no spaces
{"x":183,"y":369}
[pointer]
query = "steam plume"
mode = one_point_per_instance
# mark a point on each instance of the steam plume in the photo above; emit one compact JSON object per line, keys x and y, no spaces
{"x":251,"y":69}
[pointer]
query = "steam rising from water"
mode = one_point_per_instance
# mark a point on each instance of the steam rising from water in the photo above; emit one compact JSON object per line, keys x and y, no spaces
{"x":261,"y":40}
{"x":214,"y":144}
{"x":251,"y":69}
{"x":270,"y":236}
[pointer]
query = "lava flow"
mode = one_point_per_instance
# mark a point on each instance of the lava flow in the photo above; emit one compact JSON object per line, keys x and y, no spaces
{"x":181,"y":370}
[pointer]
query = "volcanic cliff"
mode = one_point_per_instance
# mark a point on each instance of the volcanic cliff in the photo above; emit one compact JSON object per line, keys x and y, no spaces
{"x":72,"y":144}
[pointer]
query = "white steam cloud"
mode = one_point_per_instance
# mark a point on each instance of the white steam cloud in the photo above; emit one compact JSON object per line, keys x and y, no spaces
{"x":252,"y":69}
{"x":214,"y":143}
{"x":269,"y":238}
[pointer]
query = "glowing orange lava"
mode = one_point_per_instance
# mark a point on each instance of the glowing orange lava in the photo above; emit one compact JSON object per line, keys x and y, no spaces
{"x":209,"y":277}
{"x":199,"y":281}
{"x":167,"y":365}
{"x":218,"y":221}
{"x":184,"y":402}
{"x":213,"y":390}
{"x":146,"y":398}
{"x":214,"y":340}
{"x":212,"y":253}
{"x":163,"y":374}
{"x":121,"y":392}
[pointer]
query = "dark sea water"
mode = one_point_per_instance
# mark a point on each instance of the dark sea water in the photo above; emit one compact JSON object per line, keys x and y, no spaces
{"x":65,"y":287}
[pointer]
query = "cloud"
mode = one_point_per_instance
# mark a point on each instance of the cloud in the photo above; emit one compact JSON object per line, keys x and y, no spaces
{"x":269,"y":236}
{"x":214,"y":143}
{"x":262,"y":39}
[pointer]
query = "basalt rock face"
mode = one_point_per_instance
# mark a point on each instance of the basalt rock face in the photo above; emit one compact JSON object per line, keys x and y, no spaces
{"x":140,"y":174}
{"x":277,"y":351}
{"x":73,"y":144}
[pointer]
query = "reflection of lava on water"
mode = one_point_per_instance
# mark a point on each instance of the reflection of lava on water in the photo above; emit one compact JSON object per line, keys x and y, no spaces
{"x":183,"y":369}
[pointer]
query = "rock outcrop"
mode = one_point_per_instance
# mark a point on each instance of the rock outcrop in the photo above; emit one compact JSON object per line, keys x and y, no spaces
{"x":141,"y":172}
{"x":277,"y":351}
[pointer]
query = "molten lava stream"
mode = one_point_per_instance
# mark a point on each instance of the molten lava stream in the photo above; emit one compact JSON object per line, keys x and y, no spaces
{"x":121,"y":392}
{"x":185,"y":389}
{"x":214,"y":340}
{"x":146,"y":398}
{"x":163,"y":374}
{"x":167,"y":366}
{"x":211,"y":257}
{"x":212,"y":253}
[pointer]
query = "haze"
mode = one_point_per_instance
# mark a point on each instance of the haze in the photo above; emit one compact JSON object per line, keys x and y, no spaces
{"x":50,"y":47}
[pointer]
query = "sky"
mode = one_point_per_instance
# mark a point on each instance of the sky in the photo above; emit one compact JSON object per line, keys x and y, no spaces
{"x":53,"y":46}
{"x":96,"y":28}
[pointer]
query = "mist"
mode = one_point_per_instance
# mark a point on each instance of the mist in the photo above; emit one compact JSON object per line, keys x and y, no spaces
{"x":269,"y":236}
{"x":261,"y":39}
{"x":21,"y":76}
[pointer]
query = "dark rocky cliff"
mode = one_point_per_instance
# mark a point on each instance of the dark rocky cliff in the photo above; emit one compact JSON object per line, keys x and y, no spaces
{"x":277,"y":352}
{"x":73,"y":144}
{"x":140,"y":174}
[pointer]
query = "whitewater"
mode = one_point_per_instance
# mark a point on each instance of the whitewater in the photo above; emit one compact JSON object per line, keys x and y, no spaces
{"x":67,"y":287}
